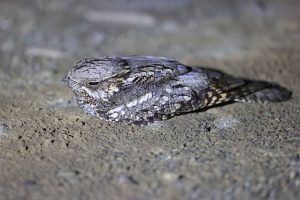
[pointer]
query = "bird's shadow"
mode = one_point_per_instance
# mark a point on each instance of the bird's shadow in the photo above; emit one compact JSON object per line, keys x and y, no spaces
{"x":207,"y":108}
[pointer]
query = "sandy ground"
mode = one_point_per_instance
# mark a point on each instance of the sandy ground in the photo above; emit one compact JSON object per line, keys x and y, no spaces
{"x":49,"y":149}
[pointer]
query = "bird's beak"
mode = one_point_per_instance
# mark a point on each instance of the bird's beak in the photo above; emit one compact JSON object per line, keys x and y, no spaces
{"x":65,"y":80}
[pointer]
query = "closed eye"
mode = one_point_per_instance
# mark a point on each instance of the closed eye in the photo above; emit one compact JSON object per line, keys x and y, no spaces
{"x":93,"y":83}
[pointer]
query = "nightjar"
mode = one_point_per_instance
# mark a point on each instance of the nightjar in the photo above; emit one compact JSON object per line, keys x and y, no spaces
{"x":143,"y":89}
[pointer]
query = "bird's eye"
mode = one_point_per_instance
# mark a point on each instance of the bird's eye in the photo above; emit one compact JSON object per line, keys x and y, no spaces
{"x":93,"y":83}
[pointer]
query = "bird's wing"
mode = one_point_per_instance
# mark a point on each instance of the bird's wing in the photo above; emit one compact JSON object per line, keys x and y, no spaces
{"x":147,"y":69}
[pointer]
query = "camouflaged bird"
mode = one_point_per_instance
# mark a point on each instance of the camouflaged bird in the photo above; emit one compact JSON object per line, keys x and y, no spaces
{"x":143,"y":89}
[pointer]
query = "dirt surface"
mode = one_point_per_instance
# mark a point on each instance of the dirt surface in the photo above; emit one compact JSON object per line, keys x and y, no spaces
{"x":49,"y":149}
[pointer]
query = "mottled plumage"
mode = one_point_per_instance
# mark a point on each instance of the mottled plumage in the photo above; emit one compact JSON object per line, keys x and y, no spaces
{"x":143,"y":89}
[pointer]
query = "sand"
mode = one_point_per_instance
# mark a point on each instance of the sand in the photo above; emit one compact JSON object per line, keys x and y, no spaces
{"x":50,"y":149}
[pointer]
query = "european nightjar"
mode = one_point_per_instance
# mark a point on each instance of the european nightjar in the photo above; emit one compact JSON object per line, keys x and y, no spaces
{"x":142,"y":89}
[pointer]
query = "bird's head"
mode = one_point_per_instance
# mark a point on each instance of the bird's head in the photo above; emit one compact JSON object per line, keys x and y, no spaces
{"x":92,"y":72}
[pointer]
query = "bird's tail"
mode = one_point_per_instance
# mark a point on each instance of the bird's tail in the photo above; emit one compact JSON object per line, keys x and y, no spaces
{"x":262,"y":91}
{"x":224,"y":88}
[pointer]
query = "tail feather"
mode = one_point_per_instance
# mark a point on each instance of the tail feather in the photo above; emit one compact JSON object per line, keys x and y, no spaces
{"x":227,"y":89}
{"x":265,"y":92}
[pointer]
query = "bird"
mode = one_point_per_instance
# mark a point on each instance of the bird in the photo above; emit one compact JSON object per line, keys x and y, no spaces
{"x":140,"y":90}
